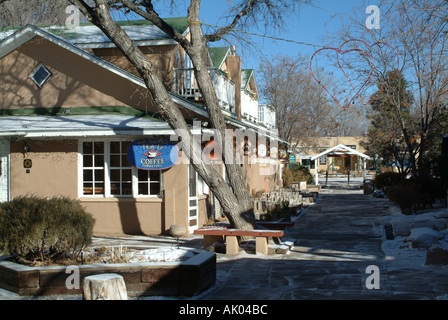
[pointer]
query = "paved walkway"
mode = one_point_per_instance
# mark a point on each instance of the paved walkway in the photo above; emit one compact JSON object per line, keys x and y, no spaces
{"x":337,"y":239}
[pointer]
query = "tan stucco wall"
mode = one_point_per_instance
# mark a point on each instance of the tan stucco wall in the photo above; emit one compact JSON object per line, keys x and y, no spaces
{"x":177,"y":178}
{"x":163,"y":58}
{"x":125,"y":215}
{"x":54,"y":171}
{"x":261,"y":177}
{"x":75,"y":81}
{"x":54,"y":168}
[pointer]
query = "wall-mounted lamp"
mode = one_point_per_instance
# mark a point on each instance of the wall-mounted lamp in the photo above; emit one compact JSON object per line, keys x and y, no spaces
{"x":26,"y":148}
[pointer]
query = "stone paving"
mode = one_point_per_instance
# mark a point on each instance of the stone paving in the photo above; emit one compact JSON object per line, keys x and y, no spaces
{"x":337,"y":238}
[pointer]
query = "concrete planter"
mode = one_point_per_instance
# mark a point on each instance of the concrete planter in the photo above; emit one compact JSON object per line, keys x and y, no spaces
{"x":187,"y":278}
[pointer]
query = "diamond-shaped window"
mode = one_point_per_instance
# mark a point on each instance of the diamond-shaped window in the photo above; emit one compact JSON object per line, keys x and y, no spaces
{"x":40,"y":75}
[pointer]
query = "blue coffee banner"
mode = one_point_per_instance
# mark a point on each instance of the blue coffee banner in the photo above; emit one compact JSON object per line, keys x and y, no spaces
{"x":152,"y":154}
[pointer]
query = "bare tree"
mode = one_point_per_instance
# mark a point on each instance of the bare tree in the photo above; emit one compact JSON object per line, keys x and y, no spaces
{"x":304,"y":110}
{"x":417,"y":30}
{"x":234,"y":198}
{"x":289,"y":88}
{"x":18,"y":13}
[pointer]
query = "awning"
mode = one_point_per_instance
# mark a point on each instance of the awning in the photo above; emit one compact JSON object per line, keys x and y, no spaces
{"x":341,"y":151}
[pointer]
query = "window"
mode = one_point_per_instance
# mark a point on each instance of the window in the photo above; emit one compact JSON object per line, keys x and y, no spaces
{"x":93,"y":168}
{"x":260,"y":113}
{"x":149,"y":182}
{"x":40,"y":75}
{"x":120,"y":169}
{"x":106,"y":172}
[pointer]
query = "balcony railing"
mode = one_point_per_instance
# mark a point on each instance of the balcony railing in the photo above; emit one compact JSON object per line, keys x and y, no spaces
{"x":185,"y":85}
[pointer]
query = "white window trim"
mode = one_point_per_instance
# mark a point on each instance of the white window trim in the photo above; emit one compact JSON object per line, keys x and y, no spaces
{"x":40,"y":85}
{"x":107,"y":191}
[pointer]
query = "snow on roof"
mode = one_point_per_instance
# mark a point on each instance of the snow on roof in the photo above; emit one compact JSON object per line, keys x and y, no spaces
{"x":80,"y":125}
{"x":341,"y":149}
{"x":89,"y":36}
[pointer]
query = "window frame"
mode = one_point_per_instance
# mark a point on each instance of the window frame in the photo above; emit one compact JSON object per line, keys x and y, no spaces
{"x":107,"y":173}
{"x":40,"y":84}
{"x":261,"y":114}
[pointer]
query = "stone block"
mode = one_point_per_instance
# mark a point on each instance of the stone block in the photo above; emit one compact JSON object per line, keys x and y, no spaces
{"x":440,"y":224}
{"x":261,"y":245}
{"x":423,"y":238}
{"x":232,"y":246}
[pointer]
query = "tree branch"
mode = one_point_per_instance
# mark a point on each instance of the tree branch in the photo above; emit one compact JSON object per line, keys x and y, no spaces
{"x":223,"y":31}
{"x":86,"y":10}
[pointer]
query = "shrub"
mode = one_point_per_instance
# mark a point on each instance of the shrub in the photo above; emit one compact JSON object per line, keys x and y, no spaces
{"x":34,"y":229}
{"x":386,"y":180}
{"x":405,"y":196}
{"x":296,"y":172}
{"x":416,"y":193}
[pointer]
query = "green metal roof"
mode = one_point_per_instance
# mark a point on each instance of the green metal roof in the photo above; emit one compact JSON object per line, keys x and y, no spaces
{"x":218,"y":55}
{"x":246,"y":74}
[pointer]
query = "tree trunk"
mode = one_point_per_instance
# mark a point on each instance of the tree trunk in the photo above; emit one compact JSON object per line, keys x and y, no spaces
{"x":107,"y":286}
{"x":236,"y":203}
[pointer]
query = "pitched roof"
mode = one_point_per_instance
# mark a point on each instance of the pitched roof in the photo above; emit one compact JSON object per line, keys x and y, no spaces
{"x":87,"y":35}
{"x":27,"y":33}
{"x":218,"y":55}
{"x":245,"y":77}
{"x":341,"y":150}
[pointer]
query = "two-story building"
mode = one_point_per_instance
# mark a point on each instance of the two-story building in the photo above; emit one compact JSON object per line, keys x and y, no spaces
{"x":71,"y":106}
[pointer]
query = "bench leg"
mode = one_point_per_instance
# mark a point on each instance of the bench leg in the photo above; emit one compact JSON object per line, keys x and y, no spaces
{"x":209,"y":240}
{"x":232,"y":246}
{"x":261,"y":245}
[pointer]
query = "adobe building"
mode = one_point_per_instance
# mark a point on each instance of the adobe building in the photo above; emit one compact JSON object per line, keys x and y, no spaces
{"x":338,"y":155}
{"x":71,"y":107}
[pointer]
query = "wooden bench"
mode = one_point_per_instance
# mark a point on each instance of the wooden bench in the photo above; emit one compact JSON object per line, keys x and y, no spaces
{"x":229,"y":236}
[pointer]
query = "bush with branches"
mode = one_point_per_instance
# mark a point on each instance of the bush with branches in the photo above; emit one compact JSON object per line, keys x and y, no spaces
{"x":417,"y":193}
{"x":386,"y":180}
{"x":39,"y":230}
{"x":296,"y":172}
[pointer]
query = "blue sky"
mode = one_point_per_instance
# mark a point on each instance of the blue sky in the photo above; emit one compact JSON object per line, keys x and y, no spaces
{"x":309,"y":26}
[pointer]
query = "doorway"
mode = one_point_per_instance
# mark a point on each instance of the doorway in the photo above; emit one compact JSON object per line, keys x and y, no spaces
{"x":192,"y":198}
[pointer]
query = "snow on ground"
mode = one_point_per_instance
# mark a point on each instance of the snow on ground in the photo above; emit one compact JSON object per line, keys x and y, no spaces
{"x":161,"y":254}
{"x":400,"y":251}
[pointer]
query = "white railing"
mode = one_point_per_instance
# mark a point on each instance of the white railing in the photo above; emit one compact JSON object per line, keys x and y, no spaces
{"x":185,"y":85}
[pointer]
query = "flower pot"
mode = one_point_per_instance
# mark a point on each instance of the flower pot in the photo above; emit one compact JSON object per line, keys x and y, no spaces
{"x":177,"y":231}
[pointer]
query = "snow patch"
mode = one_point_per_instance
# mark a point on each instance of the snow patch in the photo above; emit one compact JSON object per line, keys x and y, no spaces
{"x":162,"y":254}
